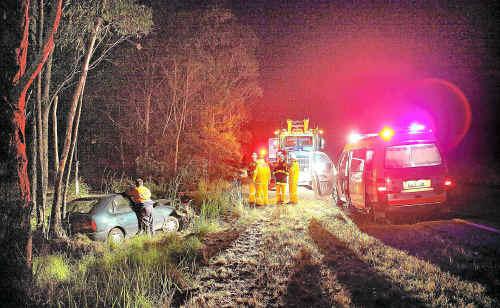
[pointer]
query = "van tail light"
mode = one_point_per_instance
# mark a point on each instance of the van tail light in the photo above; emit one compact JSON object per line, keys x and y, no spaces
{"x":448,"y":183}
{"x":384,"y":185}
{"x":382,"y":188}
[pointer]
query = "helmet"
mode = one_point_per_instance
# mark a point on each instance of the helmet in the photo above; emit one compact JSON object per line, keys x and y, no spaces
{"x":262,"y":153}
{"x":292,"y":156}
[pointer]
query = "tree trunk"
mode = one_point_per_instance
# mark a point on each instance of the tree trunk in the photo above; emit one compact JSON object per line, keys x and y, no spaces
{"x":15,"y":209}
{"x":33,"y":159}
{"x":42,"y":180}
{"x":182,"y":119}
{"x":55,"y":142}
{"x":147,"y":110}
{"x":55,"y":216}
{"x":72,"y":156}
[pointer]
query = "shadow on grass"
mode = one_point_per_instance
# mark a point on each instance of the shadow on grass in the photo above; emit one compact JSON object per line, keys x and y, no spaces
{"x":304,"y":288}
{"x":368,"y":288}
{"x":467,"y":252}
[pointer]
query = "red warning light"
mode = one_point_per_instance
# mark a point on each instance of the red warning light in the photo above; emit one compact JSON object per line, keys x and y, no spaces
{"x":386,"y":133}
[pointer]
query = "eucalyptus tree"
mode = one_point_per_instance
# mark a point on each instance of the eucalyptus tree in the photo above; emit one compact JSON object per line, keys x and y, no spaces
{"x":98,"y":27}
{"x":16,"y":77}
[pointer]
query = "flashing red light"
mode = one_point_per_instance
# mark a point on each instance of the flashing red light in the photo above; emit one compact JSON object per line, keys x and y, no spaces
{"x":382,"y":188}
{"x":448,"y":183}
{"x":386,"y":133}
{"x":262,"y":152}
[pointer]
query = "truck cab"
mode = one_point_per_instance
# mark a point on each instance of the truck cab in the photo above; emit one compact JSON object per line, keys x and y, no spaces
{"x":316,"y":169}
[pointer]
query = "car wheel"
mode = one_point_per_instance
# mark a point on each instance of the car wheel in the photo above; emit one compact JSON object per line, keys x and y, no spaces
{"x":116,"y":236}
{"x":171,"y":224}
{"x":316,"y":187}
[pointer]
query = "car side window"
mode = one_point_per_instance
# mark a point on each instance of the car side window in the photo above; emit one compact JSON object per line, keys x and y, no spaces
{"x":121,"y":205}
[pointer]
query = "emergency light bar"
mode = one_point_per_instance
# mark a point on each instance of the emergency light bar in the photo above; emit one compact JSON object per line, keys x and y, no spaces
{"x":387,"y":133}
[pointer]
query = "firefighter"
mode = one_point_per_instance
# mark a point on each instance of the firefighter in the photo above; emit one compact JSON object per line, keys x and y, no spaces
{"x":261,"y":178}
{"x":251,"y":182}
{"x":280,"y":172}
{"x":143,"y":206}
{"x":293,"y":182}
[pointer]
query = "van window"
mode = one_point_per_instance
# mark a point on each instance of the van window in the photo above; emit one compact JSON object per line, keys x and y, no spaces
{"x":343,"y":164}
{"x":357,"y":165}
{"x":412,"y":155}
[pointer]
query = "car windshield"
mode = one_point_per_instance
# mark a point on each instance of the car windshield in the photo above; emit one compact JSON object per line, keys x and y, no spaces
{"x":412,"y":155}
{"x":83,"y":206}
{"x":298,"y":141}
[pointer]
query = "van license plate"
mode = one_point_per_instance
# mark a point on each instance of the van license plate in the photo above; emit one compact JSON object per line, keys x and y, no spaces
{"x":416,"y":185}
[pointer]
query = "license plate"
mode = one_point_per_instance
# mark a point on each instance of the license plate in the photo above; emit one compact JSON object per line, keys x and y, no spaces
{"x":417,"y":185}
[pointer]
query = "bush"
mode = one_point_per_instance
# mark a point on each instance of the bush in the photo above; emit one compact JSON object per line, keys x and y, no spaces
{"x":51,"y":269}
{"x":84,"y":189}
{"x":142,"y":272}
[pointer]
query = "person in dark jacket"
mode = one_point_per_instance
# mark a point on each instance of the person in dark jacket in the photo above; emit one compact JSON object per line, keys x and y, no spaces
{"x":280,"y":172}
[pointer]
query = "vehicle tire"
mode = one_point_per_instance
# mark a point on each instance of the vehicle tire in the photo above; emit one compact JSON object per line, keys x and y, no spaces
{"x":116,"y":236}
{"x":378,"y":216}
{"x":316,"y":187}
{"x":335,"y":198}
{"x":171,"y":224}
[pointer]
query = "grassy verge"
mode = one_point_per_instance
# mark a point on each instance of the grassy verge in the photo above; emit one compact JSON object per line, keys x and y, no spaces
{"x":142,"y":272}
{"x":413,"y":280}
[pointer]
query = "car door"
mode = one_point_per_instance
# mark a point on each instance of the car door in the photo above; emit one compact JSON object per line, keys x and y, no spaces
{"x":125,"y":215}
{"x":324,"y":171}
{"x":356,"y":179}
{"x":342,"y":178}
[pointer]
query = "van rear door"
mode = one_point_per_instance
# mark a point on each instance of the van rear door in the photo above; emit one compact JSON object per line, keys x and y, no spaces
{"x":356,"y":178}
{"x":414,"y":174}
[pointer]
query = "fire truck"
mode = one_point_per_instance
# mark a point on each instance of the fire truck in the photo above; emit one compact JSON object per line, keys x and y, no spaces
{"x":317,"y":170}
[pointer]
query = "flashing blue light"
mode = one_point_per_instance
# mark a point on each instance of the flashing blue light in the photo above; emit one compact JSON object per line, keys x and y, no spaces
{"x":416,"y":128}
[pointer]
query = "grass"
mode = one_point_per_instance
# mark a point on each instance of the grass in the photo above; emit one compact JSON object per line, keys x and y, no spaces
{"x":143,"y":271}
{"x":422,"y":280}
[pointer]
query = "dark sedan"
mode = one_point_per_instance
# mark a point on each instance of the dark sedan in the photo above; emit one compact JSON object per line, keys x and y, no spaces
{"x":111,"y":217}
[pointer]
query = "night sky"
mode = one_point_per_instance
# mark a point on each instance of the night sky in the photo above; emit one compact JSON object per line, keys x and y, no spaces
{"x":360,"y":66}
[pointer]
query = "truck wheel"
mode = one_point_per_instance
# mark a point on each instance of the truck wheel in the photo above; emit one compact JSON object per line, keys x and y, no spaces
{"x":316,"y":187}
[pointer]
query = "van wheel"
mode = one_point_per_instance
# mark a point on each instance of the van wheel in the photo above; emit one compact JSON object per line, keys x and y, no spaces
{"x":378,"y":216}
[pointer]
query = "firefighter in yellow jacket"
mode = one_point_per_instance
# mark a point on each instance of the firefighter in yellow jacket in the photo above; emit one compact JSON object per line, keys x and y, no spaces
{"x":280,"y":171}
{"x":251,"y":183}
{"x":261,"y":178}
{"x":293,"y":181}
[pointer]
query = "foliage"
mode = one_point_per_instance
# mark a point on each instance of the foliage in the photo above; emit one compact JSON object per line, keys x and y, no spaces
{"x":181,"y":100}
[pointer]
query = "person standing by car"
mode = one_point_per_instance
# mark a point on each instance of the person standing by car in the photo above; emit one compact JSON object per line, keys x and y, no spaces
{"x":293,"y":182}
{"x":280,"y":172}
{"x":143,"y":206}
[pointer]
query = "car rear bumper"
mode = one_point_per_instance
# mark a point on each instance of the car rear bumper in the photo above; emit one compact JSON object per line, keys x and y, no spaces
{"x":424,"y":208}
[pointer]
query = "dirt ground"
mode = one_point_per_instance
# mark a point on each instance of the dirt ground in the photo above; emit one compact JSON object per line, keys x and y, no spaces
{"x":314,"y":255}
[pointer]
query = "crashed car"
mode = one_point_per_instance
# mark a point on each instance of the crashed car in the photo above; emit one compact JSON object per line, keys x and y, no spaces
{"x":111,"y":217}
